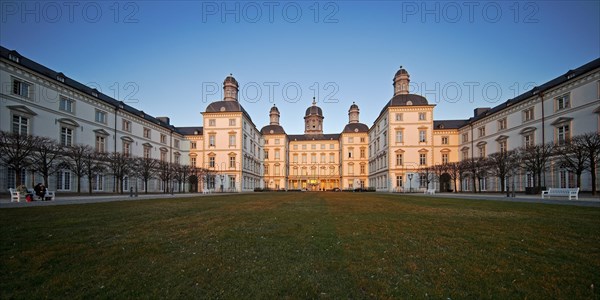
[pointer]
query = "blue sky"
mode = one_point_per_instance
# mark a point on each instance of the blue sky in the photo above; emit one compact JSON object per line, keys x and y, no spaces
{"x":165,"y":57}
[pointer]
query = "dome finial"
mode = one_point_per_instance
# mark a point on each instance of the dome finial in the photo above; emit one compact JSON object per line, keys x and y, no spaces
{"x":400,"y":66}
{"x":314,"y":101}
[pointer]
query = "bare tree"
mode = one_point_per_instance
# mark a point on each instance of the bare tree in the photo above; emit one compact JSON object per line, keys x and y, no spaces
{"x":535,"y":160}
{"x":453,"y":169}
{"x":15,"y":152}
{"x":120,"y":166}
{"x":94,"y":163}
{"x":75,"y":161}
{"x":572,"y":156}
{"x":426,"y":176}
{"x":146,"y":168}
{"x":591,"y":143}
{"x":47,"y":158}
{"x":181,"y":174}
{"x":500,"y":165}
{"x":165,"y":172}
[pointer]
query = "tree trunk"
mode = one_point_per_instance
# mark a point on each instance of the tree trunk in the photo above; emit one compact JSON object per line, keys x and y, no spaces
{"x":145,"y":186}
{"x":593,"y":171}
{"x":90,"y":185}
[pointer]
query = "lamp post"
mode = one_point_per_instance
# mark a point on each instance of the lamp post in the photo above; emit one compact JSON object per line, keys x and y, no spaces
{"x":410,"y":176}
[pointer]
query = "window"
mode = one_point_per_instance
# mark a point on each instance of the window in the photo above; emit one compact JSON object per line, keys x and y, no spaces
{"x":100,"y":116}
{"x":481,"y":131}
{"x":350,"y":139}
{"x":211,"y":161}
{"x":295,"y":158}
{"x":362,"y":153}
{"x":66,"y":136}
{"x":245,"y":141}
{"x":444,"y":140}
{"x":20,"y":125}
{"x":21,"y":88}
{"x":350,"y":169}
{"x":126,"y":125}
{"x":177,"y":158}
{"x":422,"y":116}
{"x":163,"y":155}
{"x":362,"y":169}
{"x":399,"y":159}
{"x":422,"y":136}
{"x":266,"y":167}
{"x":399,"y":181}
{"x":528,"y":114}
{"x":331,"y":146}
{"x":502,"y":124}
{"x":423,"y":181}
{"x":465,"y":137}
{"x":295,"y":147}
{"x":193,"y":145}
{"x":147,"y":151}
{"x":323,"y":159}
{"x":232,"y":161}
{"x":147,"y":133}
{"x":193,"y":161}
{"x":303,"y":158}
{"x":13,"y":58}
{"x":127,"y":148}
{"x":98,"y":182}
{"x":481,"y":151}
{"x":163,"y":138}
{"x":465,"y":154}
{"x":563,"y":102}
{"x":398,"y":117}
{"x":276,"y":141}
{"x":422,"y":159}
{"x":502,"y":146}
{"x":276,"y":169}
{"x":528,"y":140}
{"x":232,"y":140}
{"x":212,"y":122}
{"x":176,"y":144}
{"x":63,"y":180}
{"x":313,"y":147}
{"x":231,"y":122}
{"x":562,"y":133}
{"x":399,"y":136}
{"x":100,"y":144}
{"x":313,"y":158}
{"x":350,"y":152}
{"x":445,"y":159}
{"x":331,"y":157}
{"x":66,"y":104}
{"x":323,"y":146}
{"x":276,"y":154}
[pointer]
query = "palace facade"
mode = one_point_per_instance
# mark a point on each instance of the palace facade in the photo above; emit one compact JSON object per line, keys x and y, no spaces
{"x":389,"y":155}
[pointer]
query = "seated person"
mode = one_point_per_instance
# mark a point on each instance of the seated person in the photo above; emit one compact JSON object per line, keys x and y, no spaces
{"x":40,"y":190}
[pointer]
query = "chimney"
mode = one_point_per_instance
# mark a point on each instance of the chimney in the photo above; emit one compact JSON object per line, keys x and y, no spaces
{"x":479,"y":111}
{"x":164,"y":120}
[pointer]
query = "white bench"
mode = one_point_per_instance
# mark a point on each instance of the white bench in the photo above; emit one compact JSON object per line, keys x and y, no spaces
{"x":562,"y":192}
{"x":206,"y":191}
{"x":429,"y":192}
{"x":14,"y":195}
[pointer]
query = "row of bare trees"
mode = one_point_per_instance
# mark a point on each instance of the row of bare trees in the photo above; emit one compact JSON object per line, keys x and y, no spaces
{"x":45,"y":156}
{"x":577,"y":155}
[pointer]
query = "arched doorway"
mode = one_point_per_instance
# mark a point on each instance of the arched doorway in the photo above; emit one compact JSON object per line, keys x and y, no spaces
{"x":445,"y":185}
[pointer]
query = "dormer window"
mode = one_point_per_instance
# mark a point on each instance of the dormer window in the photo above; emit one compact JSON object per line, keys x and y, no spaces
{"x":95,"y":93}
{"x":60,"y":77}
{"x":14,"y":58}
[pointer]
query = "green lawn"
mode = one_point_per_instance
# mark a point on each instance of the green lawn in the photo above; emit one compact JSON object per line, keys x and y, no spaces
{"x":301,"y":245}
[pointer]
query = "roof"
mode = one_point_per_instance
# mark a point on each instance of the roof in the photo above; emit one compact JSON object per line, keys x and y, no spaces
{"x":230,"y":79}
{"x":314,"y":110}
{"x":448,"y":124}
{"x":274,"y":108}
{"x":227,"y":106}
{"x":542,"y":88}
{"x":402,"y":100}
{"x":92,"y":92}
{"x":355,"y":127}
{"x":272,"y":129}
{"x":401,"y":71}
{"x":194,"y":130}
{"x":316,"y":137}
{"x":353,"y":106}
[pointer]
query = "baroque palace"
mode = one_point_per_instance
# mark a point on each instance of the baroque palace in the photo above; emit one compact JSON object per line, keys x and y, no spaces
{"x":389,"y":155}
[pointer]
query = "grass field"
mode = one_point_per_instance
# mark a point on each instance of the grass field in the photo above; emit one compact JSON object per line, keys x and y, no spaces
{"x":301,"y":245}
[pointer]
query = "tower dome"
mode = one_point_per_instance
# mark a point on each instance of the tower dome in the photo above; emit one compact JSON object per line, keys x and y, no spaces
{"x":230,"y":88}
{"x":353,"y":113}
{"x":313,"y":119}
{"x":401,"y":82}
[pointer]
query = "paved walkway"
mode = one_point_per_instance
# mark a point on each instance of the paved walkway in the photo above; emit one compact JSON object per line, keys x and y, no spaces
{"x":66,"y":200}
{"x":585,"y":200}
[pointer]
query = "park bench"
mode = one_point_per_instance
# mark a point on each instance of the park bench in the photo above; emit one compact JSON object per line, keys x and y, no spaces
{"x":430,"y":191}
{"x":14,"y":195}
{"x":562,"y":192}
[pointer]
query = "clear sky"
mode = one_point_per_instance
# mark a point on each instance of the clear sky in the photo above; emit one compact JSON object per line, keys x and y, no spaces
{"x":167,"y":57}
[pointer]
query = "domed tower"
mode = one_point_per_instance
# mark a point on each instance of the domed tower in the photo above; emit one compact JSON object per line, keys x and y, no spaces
{"x":313,"y":119}
{"x":274,"y":115}
{"x":230,"y":89}
{"x":353,"y":113}
{"x":401,"y":81}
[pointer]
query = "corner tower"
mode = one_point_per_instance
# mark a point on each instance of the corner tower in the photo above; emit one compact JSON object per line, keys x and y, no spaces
{"x":313,"y":119}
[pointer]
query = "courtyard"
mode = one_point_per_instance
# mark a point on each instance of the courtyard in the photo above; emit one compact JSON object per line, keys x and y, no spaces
{"x":301,"y":245}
